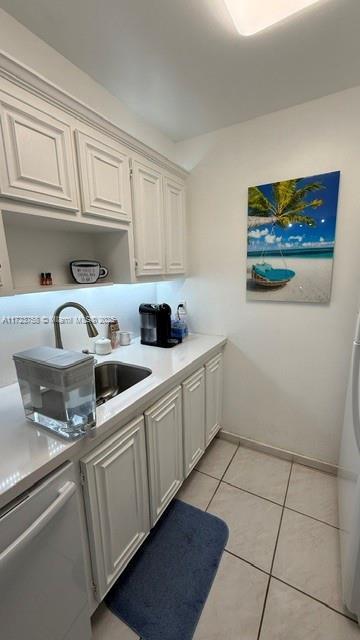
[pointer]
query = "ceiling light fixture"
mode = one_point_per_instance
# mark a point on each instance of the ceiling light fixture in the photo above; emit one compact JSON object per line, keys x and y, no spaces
{"x":252,"y":16}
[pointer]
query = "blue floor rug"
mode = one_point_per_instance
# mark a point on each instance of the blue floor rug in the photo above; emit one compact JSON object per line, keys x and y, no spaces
{"x":161,"y":593}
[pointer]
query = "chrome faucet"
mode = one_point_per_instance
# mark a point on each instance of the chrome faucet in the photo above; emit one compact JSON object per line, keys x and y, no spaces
{"x":91,"y":329}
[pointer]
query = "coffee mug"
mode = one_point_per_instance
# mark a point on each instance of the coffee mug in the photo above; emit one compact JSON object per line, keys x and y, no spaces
{"x":87,"y":271}
{"x":125,"y":338}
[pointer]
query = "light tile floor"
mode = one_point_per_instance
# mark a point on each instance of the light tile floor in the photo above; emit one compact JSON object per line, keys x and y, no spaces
{"x":279,"y":577}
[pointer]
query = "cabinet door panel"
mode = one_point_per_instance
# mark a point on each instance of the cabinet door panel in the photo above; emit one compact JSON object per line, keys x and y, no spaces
{"x":117,"y":502}
{"x":194,"y":419}
{"x":213,"y":394}
{"x":149,"y":220}
{"x":6,"y":282}
{"x":174,"y":197}
{"x":37,"y":164}
{"x":104,"y":178}
{"x":165,"y":449}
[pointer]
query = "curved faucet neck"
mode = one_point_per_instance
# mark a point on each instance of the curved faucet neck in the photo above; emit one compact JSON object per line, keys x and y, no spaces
{"x":91,"y":329}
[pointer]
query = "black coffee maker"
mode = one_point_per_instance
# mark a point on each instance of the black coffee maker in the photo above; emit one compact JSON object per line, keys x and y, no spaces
{"x":155,"y":325}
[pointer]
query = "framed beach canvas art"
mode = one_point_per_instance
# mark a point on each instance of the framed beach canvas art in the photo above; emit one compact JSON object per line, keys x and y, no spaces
{"x":291,"y":238}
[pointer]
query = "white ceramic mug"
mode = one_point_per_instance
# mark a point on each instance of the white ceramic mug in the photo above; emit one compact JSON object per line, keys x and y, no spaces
{"x":125,"y":338}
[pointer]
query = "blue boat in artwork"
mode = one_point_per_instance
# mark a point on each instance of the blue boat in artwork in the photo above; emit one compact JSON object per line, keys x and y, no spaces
{"x":267,"y":276}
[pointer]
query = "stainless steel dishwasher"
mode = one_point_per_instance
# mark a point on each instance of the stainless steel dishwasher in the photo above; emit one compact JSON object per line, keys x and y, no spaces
{"x":42,"y":577}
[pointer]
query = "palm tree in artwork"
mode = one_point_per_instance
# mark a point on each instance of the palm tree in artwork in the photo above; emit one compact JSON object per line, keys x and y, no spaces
{"x":287,"y":205}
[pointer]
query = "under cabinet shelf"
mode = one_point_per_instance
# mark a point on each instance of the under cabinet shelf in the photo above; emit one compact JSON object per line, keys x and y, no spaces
{"x":31,"y":245}
{"x":60,"y":287}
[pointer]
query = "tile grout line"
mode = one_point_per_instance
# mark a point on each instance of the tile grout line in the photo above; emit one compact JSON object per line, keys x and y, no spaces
{"x":274,"y":553}
{"x":290,"y":456}
{"x":230,"y":461}
{"x":220,"y":480}
{"x":251,"y":564}
{"x":306,"y":515}
{"x":257,"y":495}
{"x":206,"y":474}
{"x":340,"y":613}
{"x":281,"y":518}
{"x":216,"y":488}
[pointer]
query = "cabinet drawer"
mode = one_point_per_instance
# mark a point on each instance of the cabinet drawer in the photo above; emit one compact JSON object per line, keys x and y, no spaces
{"x":117,"y":502}
{"x":37,"y":163}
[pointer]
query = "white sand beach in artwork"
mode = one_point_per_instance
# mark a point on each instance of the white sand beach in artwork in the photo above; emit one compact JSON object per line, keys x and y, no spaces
{"x":312,"y":282}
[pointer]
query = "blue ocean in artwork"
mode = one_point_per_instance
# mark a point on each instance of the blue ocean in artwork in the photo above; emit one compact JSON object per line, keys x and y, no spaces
{"x":306,"y":253}
{"x":306,"y":232}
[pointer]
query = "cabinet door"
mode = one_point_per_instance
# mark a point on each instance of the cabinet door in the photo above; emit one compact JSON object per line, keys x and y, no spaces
{"x":165,"y":450}
{"x":6,"y":282}
{"x":194,"y":419}
{"x":213,"y":395}
{"x":37,"y":163}
{"x":117,"y":502}
{"x":104,"y":178}
{"x":174,"y":199}
{"x":149,"y":219}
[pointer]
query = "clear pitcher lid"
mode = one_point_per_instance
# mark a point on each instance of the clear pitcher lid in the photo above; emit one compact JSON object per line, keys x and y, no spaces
{"x":53,"y":358}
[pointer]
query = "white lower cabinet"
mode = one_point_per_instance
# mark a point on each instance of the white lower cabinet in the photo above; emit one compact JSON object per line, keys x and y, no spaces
{"x":117,"y":502}
{"x":213,"y":396}
{"x":194,"y":419}
{"x":130,"y":479}
{"x":164,"y":434}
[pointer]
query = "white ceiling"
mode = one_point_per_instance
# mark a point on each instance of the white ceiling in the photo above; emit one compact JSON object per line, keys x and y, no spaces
{"x":181,"y":65}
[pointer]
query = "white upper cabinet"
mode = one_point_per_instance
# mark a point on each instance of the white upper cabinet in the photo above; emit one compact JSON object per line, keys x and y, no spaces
{"x":213,"y":380}
{"x":117,"y":502}
{"x":36,"y":155}
{"x":149,"y":219}
{"x":165,"y":451}
{"x":63,"y":162}
{"x":194,"y":419}
{"x":104,"y":170}
{"x":159,"y":212}
{"x":174,"y":203}
{"x":6,"y":282}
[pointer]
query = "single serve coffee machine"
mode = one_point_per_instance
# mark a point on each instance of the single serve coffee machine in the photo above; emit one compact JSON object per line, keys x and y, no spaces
{"x":155,"y":325}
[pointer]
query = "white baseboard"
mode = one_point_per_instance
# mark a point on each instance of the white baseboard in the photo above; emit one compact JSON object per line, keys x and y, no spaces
{"x":279,"y":453}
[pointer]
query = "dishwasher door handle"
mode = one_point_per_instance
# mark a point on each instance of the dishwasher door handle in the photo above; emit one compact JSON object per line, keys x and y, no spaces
{"x":64,"y":494}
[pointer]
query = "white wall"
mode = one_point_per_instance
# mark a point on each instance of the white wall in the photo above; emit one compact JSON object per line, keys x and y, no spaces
{"x":120,"y":301}
{"x":27,"y":48}
{"x":286,"y":365}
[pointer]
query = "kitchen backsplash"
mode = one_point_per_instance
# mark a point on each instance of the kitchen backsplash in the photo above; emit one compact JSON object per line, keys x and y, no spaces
{"x":26,"y":321}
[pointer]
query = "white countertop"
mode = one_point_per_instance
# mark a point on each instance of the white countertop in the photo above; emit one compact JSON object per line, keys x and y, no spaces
{"x":28,"y":452}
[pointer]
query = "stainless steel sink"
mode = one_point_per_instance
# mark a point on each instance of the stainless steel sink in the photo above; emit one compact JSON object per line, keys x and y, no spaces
{"x":111,"y":378}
